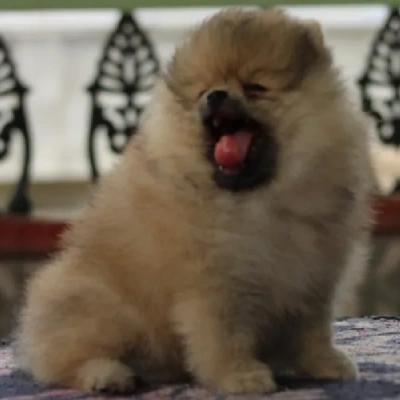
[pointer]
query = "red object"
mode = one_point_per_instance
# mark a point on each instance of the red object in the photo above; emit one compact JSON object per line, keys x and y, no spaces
{"x":387,"y":214}
{"x":27,"y":237}
{"x":32,"y":238}
{"x":231,"y":150}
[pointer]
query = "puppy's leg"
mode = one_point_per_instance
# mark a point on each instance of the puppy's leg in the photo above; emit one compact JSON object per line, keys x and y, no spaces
{"x":73,"y":332}
{"x":318,"y":358}
{"x":106,"y":375}
{"x":220,"y":354}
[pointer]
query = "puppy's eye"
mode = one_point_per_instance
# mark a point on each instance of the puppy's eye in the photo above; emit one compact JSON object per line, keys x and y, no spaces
{"x":254,"y":88}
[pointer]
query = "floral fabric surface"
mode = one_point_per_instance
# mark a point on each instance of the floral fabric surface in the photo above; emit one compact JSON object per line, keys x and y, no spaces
{"x":373,"y":342}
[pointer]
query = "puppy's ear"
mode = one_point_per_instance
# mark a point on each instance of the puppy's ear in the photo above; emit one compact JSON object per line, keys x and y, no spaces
{"x":313,"y":44}
{"x":308,"y":52}
{"x":316,"y":34}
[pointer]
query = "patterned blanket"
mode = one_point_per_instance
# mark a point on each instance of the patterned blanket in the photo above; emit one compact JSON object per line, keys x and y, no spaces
{"x":373,"y":342}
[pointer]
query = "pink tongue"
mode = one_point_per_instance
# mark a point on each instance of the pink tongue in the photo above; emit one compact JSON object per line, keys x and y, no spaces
{"x":231,"y":150}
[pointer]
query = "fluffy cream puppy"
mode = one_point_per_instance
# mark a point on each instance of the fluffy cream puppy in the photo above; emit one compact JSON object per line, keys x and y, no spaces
{"x":215,"y":247}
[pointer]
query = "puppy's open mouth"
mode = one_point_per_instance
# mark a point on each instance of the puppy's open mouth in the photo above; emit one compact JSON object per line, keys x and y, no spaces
{"x":232,"y":147}
{"x":237,"y":150}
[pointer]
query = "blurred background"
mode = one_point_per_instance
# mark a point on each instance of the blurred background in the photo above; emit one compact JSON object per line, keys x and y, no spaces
{"x":74,"y":79}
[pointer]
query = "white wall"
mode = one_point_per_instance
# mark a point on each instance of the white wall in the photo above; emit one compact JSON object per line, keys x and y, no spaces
{"x":56,"y":54}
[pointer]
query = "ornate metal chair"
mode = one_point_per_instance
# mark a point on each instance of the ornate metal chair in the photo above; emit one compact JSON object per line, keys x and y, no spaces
{"x":126,"y":72}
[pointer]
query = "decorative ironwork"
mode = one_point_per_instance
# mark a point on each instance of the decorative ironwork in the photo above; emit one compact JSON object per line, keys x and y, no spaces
{"x":13,"y":121}
{"x":380,"y":83}
{"x":121,"y":89}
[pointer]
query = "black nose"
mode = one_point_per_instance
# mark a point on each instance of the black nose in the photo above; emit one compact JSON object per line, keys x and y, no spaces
{"x":216,"y":98}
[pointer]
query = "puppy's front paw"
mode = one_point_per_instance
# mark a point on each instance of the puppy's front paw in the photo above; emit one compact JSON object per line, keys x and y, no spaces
{"x":255,"y":378}
{"x":333,"y":365}
{"x":105,"y":375}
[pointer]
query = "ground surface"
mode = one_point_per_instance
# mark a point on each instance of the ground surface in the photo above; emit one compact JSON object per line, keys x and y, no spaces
{"x":374,"y":343}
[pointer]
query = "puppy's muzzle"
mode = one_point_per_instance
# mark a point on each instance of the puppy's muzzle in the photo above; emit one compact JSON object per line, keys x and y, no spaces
{"x":240,"y":147}
{"x":220,"y":106}
{"x":216,"y":98}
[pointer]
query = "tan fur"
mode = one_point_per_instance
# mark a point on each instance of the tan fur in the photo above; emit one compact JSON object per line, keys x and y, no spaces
{"x":185,"y":277}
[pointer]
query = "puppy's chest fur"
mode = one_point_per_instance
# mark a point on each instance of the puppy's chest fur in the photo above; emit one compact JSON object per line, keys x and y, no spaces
{"x":284,"y":258}
{"x":262,"y":262}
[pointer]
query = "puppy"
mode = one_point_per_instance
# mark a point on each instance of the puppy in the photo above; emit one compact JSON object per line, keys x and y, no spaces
{"x":214,"y":249}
